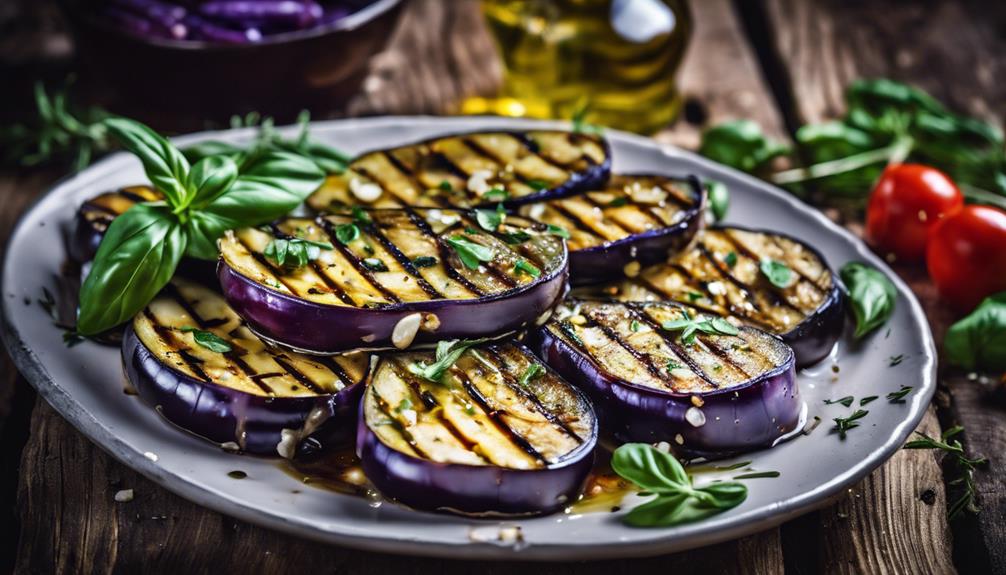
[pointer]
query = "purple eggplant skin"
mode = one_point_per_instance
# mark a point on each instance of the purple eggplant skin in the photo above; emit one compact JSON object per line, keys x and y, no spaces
{"x":324,"y":329}
{"x":594,"y":177}
{"x":227,"y":416}
{"x":606,"y":261}
{"x":738,"y":419}
{"x":477,"y":490}
{"x":296,"y":14}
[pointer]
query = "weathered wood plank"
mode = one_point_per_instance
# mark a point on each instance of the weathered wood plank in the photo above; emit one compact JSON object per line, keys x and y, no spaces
{"x":951,"y":49}
{"x":70,"y":521}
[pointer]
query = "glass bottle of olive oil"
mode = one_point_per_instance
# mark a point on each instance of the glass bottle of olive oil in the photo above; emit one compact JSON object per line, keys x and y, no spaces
{"x":611,"y":62}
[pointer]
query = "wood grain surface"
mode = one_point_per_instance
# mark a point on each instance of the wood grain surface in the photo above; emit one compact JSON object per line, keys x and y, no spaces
{"x":893,"y":522}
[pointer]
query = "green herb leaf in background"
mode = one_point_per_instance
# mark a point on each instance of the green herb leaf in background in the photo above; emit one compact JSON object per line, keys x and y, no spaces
{"x":741,"y":144}
{"x":978,"y":341}
{"x":872,"y":296}
{"x":719,"y":199}
{"x":677,"y":501}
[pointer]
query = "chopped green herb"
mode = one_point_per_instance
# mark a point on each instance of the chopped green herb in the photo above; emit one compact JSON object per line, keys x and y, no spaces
{"x":732,"y":466}
{"x":557,"y":231}
{"x":899,"y":396}
{"x":965,"y":466}
{"x":360,"y":216}
{"x":635,"y":326}
{"x":424,"y":261}
{"x":533,"y":371}
{"x":470,"y":410}
{"x":895,"y":360}
{"x":730,"y":259}
{"x":689,"y":327}
{"x":777,"y":273}
{"x":845,"y":401}
{"x":496,"y":194}
{"x":472,"y":231}
{"x":448,"y":352}
{"x":844,"y":424}
{"x":618,"y":202}
{"x":403,"y":405}
{"x":446,"y":186}
{"x":470,"y":253}
{"x":208,"y":339}
{"x":867,"y":400}
{"x":490,"y":220}
{"x":346,"y":233}
{"x":516,"y":238}
{"x":294,"y":252}
{"x":524,"y":266}
{"x":674,"y":364}
{"x":694,"y":295}
{"x":374,"y":264}
{"x":538,"y":185}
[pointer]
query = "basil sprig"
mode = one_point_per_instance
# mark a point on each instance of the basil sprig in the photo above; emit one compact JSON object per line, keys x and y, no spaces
{"x":872,"y":296}
{"x":294,"y":252}
{"x":690,"y":327}
{"x":977,"y":341}
{"x":448,"y":353}
{"x":677,"y":500}
{"x":143,"y":246}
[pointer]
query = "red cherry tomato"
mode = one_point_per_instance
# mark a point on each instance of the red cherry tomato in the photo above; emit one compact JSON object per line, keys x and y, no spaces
{"x":966,"y":256}
{"x":908,"y":200}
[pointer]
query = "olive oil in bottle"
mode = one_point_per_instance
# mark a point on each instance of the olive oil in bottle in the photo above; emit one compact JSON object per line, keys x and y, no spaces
{"x":615,"y":60}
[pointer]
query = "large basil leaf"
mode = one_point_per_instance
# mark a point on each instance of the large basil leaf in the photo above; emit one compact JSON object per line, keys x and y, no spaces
{"x":978,"y":341}
{"x":274,"y":184}
{"x":211,"y":177}
{"x":872,"y":296}
{"x":649,"y":468}
{"x":166,"y":167}
{"x":135,"y":260}
{"x":202,"y":232}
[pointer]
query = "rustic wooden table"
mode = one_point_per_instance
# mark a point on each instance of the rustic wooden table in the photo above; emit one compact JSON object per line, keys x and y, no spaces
{"x":780,"y":62}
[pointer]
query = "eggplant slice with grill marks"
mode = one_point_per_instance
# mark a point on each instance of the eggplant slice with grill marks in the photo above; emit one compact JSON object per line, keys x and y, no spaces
{"x":499,"y":434}
{"x":96,"y":214}
{"x":634,"y":220}
{"x":397,"y":277}
{"x":722,"y":275}
{"x":191,"y":357}
{"x":716,"y":391}
{"x":470,"y":170}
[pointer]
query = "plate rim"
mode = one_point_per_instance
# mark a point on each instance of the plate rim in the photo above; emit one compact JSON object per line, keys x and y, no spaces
{"x":706,"y":532}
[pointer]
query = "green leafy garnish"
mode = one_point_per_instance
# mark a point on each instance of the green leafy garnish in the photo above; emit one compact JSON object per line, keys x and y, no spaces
{"x":533,"y":371}
{"x":538,"y":185}
{"x":846,"y":401}
{"x":295,"y":252}
{"x":516,"y":238}
{"x":208,"y":339}
{"x":526,"y":267}
{"x":635,"y":326}
{"x":719,"y":199}
{"x":360,"y":216}
{"x":446,"y":186}
{"x":557,"y":231}
{"x":374,"y":264}
{"x":844,"y":424}
{"x":346,"y":233}
{"x":758,"y":475}
{"x":677,"y":501}
{"x":895,"y":360}
{"x":470,"y":253}
{"x":965,"y":467}
{"x":143,"y":246}
{"x":424,"y":261}
{"x":868,"y":399}
{"x":448,"y":352}
{"x":674,"y":364}
{"x":496,"y":194}
{"x":490,"y":220}
{"x":872,"y":296}
{"x":689,"y":327}
{"x":978,"y":340}
{"x":899,"y":396}
{"x":403,"y":405}
{"x":741,"y":144}
{"x":776,"y":272}
{"x":730,"y":259}
{"x":618,"y":202}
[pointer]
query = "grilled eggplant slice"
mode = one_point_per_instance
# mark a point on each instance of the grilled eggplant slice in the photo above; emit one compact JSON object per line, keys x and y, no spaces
{"x":398,"y":277}
{"x":189,"y":355}
{"x":721,"y":275}
{"x":469,"y":170}
{"x":712,"y":392}
{"x":635,"y":218}
{"x":96,"y":214}
{"x":500,"y":434}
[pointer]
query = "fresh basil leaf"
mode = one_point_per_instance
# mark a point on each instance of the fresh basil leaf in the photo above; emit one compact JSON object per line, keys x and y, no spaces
{"x":649,"y":468}
{"x":470,"y":253}
{"x":211,"y":177}
{"x":725,"y":494}
{"x":208,"y":339}
{"x":664,"y":511}
{"x":166,"y":167}
{"x":136,"y":258}
{"x":516,"y":238}
{"x":978,"y":341}
{"x":872,"y":296}
{"x":777,"y":272}
{"x":275,"y":184}
{"x":448,"y":353}
{"x":196,"y":152}
{"x":346,"y":233}
{"x":719,"y":199}
{"x":294,"y":252}
{"x":740,"y":144}
{"x":202,"y":232}
{"x":490,"y":220}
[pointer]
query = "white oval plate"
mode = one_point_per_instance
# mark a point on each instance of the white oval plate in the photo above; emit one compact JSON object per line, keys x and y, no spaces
{"x":85,"y":384}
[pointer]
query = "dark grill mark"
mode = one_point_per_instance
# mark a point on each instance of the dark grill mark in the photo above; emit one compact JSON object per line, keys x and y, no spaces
{"x":600,"y":320}
{"x":296,"y":374}
{"x":333,"y":366}
{"x":357,"y":263}
{"x":444,"y":251}
{"x":774,"y":297}
{"x":644,"y":317}
{"x":404,"y":261}
{"x":386,"y":412}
